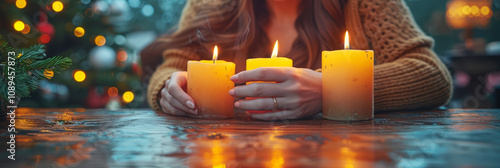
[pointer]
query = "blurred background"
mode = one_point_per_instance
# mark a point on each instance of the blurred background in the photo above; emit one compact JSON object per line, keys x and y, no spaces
{"x":104,"y":39}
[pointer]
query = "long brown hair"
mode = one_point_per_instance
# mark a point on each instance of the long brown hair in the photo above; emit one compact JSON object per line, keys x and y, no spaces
{"x":237,"y":26}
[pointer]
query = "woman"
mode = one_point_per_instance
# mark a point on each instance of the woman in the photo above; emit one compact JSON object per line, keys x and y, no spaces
{"x":407,"y":74}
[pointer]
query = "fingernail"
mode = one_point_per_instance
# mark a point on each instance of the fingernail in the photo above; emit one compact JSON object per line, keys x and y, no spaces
{"x":237,"y":104}
{"x":190,"y":104}
{"x":194,"y":111}
{"x":231,"y":92}
{"x":234,"y":77}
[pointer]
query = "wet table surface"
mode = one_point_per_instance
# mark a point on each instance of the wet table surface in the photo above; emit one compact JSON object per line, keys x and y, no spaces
{"x":143,"y":138}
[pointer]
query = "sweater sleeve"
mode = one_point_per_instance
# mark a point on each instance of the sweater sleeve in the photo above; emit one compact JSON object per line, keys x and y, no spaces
{"x":174,"y":60}
{"x":407,"y":74}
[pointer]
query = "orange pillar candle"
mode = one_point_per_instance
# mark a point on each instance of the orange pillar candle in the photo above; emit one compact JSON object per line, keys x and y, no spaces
{"x":274,"y":61}
{"x":347,"y":84}
{"x":208,"y":84}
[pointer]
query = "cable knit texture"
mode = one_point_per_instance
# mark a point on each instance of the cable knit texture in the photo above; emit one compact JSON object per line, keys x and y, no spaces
{"x":407,"y":74}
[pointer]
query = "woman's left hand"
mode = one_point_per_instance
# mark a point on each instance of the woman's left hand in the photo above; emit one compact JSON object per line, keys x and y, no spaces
{"x":297,"y":92}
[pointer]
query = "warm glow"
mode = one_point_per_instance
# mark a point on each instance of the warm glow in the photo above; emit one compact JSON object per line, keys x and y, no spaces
{"x":485,"y":10}
{"x":459,"y":12}
{"x":128,"y":96}
{"x":100,"y":40}
{"x":216,"y":53}
{"x":217,"y":156}
{"x":275,"y":50}
{"x":277,"y":161}
{"x":466,"y":9}
{"x":19,"y":25}
{"x":112,"y":92}
{"x":79,"y":31}
{"x":222,"y":165}
{"x":57,"y":6}
{"x":462,"y":14}
{"x":348,"y":156}
{"x":121,"y":56}
{"x":450,"y":13}
{"x":474,"y":10}
{"x":26,"y":29}
{"x":346,"y":40}
{"x":79,"y":76}
{"x":21,"y":4}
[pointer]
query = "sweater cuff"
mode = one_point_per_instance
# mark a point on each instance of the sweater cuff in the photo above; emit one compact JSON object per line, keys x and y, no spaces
{"x":157,"y":83}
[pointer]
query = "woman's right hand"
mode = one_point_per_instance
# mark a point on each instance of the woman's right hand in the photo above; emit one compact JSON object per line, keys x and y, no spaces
{"x":174,"y":99}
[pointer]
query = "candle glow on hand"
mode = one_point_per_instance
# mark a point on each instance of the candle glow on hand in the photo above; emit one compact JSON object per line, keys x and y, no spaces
{"x":275,"y":50}
{"x":214,"y":57}
{"x":346,"y":40}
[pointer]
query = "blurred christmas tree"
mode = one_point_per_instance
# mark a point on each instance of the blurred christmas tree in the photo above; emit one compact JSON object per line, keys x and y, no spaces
{"x":102,"y":37}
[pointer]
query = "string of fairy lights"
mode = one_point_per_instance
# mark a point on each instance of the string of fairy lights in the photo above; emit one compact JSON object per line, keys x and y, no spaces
{"x":99,"y":40}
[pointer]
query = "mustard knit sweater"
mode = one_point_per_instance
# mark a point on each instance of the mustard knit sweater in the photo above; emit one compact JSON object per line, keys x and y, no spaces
{"x":407,"y":74}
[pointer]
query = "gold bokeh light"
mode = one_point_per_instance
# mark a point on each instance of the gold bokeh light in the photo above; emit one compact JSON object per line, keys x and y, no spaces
{"x":100,"y":40}
{"x":26,"y":29}
{"x":79,"y":31}
{"x":79,"y":76}
{"x":21,"y":4}
{"x":19,"y":25}
{"x":128,"y":97}
{"x":57,"y":6}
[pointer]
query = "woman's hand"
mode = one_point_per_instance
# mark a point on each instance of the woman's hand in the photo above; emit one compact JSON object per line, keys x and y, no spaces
{"x":297,"y":91}
{"x":174,"y":99}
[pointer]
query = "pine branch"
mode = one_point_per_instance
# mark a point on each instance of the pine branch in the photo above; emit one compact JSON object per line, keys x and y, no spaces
{"x":36,"y":52}
{"x":4,"y":50}
{"x":56,"y":64}
{"x":29,"y":67}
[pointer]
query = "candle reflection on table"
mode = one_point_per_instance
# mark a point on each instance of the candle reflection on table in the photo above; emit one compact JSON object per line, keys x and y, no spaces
{"x":143,"y":138}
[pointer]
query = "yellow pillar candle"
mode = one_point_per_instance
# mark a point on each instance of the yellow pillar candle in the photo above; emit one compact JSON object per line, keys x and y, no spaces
{"x":347,"y":84}
{"x":274,"y":61}
{"x":208,"y":84}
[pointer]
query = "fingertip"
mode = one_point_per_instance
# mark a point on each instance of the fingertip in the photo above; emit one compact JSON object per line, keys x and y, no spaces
{"x":195,"y":111}
{"x":234,"y":78}
{"x":231,"y":92}
{"x":237,"y":105}
{"x":190,"y":104}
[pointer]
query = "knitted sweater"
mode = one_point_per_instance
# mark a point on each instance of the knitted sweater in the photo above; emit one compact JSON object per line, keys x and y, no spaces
{"x":407,"y":74}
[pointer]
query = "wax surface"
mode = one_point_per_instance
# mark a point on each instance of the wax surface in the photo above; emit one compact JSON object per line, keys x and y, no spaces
{"x":209,"y":84}
{"x":347,"y":85}
{"x":255,"y":63}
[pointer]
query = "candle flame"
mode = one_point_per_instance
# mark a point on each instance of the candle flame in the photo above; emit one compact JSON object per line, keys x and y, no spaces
{"x":346,"y":40}
{"x":214,"y":58}
{"x":275,"y":50}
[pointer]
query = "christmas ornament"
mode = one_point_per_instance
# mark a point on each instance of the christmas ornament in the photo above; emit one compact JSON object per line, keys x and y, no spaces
{"x":102,"y":58}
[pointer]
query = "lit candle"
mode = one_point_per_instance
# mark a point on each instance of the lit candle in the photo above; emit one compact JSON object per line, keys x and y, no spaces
{"x":208,"y":84}
{"x":347,"y":84}
{"x":274,"y":61}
